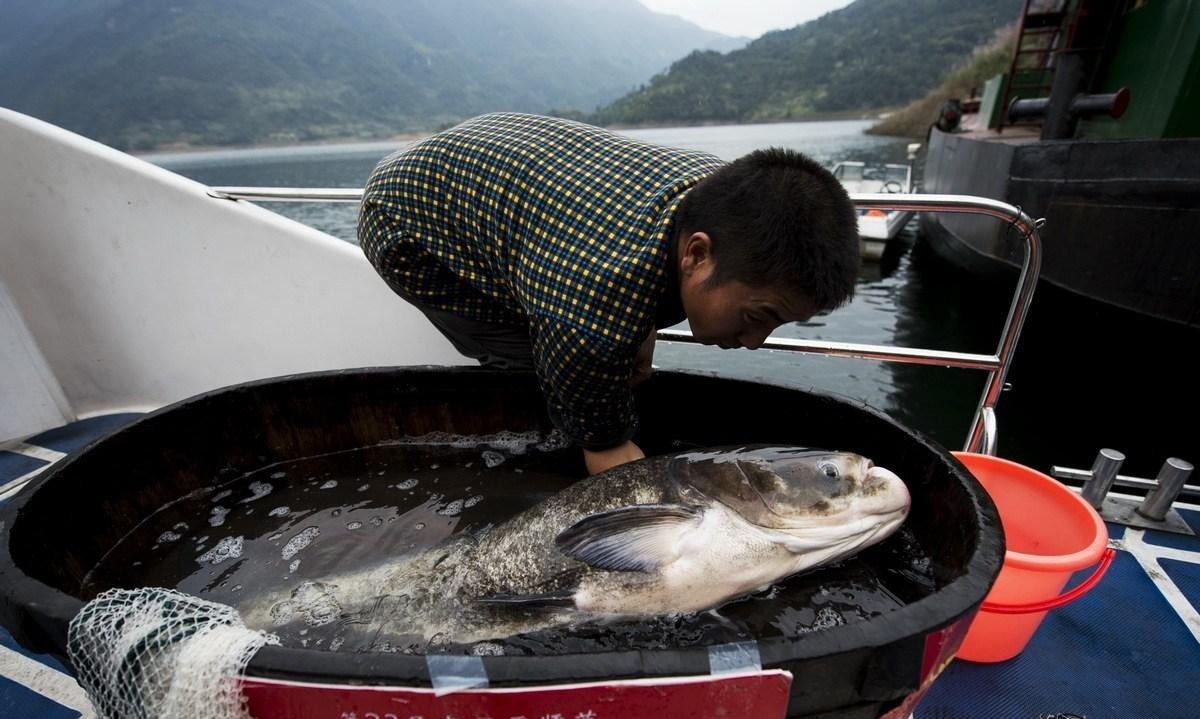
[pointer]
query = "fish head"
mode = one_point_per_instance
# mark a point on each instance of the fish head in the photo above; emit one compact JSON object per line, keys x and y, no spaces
{"x":806,"y":497}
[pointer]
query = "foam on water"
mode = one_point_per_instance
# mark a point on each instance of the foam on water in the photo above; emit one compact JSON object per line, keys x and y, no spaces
{"x":218,"y":515}
{"x":258,"y":490}
{"x":487,"y":649}
{"x":315,"y":603}
{"x":453,"y":509}
{"x":227,"y":548}
{"x":514,"y":443}
{"x":300,"y":541}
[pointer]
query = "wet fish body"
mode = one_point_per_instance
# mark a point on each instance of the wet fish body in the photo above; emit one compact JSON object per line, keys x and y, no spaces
{"x":680,"y":533}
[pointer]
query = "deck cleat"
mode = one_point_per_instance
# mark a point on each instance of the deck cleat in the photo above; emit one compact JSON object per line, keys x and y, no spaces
{"x":1155,"y":511}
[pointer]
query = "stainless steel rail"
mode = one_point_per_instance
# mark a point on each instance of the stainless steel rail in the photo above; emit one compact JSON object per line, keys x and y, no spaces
{"x":982,"y":435}
{"x":1121,"y":480}
{"x":287,"y":194}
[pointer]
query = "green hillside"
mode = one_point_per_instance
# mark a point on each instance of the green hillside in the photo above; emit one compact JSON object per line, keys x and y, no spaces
{"x":915,"y":118}
{"x":141,"y":73}
{"x":871,"y":54}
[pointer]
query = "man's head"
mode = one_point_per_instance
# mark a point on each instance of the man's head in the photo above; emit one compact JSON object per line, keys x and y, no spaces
{"x":770,"y":238}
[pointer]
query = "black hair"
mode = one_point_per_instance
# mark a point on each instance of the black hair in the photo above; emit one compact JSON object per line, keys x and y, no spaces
{"x":776,"y":218}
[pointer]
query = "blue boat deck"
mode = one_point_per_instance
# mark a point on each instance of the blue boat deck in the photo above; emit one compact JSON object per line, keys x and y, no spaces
{"x":1129,"y":648}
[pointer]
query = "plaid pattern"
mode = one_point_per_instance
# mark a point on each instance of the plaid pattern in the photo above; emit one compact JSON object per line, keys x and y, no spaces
{"x":527,"y":220}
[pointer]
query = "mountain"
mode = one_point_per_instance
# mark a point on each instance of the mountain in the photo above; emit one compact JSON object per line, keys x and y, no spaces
{"x":140,"y":73}
{"x":868,"y":55}
{"x":914,"y":119}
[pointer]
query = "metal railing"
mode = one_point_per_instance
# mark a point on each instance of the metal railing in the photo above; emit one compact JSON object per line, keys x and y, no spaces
{"x":287,"y":194}
{"x":982,"y":435}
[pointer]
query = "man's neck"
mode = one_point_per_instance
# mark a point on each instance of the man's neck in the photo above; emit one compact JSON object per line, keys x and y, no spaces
{"x":670,"y":308}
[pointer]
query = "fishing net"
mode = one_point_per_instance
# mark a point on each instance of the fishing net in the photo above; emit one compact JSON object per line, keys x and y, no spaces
{"x":161,"y":654}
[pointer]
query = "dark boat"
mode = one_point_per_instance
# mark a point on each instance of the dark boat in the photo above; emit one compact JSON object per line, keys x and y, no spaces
{"x":1096,"y":128}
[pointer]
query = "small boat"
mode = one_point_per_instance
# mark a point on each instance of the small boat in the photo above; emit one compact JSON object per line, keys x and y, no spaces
{"x":876,"y":227}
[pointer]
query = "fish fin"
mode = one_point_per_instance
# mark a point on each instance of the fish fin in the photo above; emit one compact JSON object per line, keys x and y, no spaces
{"x":639,"y":538}
{"x":553,"y":599}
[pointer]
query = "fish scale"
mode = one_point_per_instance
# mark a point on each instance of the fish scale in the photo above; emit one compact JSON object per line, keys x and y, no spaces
{"x":733,"y":512}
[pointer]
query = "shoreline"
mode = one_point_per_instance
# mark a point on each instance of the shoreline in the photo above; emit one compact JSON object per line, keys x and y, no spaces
{"x":188,"y":148}
{"x":185,"y":148}
{"x":864,"y":116}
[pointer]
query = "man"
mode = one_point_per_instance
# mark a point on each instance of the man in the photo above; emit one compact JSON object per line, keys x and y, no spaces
{"x":533,"y":242}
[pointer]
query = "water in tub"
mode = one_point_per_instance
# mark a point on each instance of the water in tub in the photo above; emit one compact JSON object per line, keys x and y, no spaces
{"x":357,"y":551}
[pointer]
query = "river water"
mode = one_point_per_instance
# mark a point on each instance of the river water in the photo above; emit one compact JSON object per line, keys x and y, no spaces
{"x":1084,"y":376}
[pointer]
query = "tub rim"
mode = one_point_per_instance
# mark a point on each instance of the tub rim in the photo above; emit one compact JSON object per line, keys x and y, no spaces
{"x":51,"y":609}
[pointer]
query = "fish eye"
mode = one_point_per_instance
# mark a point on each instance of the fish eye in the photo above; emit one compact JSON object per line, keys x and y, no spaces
{"x":829,"y":469}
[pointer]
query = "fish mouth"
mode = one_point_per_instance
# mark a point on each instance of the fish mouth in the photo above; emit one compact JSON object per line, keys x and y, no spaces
{"x":848,"y":522}
{"x":883,"y":484}
{"x":859,"y":532}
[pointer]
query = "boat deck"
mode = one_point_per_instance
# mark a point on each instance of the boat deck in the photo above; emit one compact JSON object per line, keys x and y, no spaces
{"x":1129,"y":648}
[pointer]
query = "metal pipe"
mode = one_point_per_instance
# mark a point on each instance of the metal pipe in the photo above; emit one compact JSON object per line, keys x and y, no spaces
{"x":903,"y":355}
{"x":989,"y":431}
{"x":1059,"y":122}
{"x":1023,"y":108}
{"x":287,"y":194}
{"x":1104,"y":473}
{"x":997,"y":364}
{"x":1113,"y":104}
{"x":1171,"y":478}
{"x":1122,"y":480}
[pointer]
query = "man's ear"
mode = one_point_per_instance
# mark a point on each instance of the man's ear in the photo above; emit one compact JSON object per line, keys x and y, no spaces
{"x":695,"y":252}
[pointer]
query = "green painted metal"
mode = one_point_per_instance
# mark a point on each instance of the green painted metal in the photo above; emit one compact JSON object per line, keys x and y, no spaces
{"x":1158,"y":59}
{"x":991,"y":107}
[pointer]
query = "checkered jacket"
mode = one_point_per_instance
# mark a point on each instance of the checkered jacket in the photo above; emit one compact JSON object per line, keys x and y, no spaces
{"x":553,"y":224}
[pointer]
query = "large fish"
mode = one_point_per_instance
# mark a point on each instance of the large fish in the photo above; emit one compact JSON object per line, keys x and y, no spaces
{"x":679,"y":533}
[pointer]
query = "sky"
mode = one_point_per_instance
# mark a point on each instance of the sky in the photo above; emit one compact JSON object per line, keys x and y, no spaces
{"x":749,"y":18}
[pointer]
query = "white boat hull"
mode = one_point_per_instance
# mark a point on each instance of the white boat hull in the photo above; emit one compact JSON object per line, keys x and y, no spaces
{"x":124,"y":285}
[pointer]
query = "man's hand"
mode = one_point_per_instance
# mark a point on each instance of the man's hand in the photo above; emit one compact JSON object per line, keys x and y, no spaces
{"x":606,"y":458}
{"x":642,"y":368}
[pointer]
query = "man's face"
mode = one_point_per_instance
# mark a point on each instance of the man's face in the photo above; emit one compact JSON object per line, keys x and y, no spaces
{"x":731,"y":314}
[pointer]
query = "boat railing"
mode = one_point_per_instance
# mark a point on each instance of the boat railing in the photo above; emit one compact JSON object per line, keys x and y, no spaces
{"x":983,"y":431}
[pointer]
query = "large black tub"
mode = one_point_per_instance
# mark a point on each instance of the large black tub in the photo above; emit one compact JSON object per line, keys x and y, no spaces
{"x":62,"y":526}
